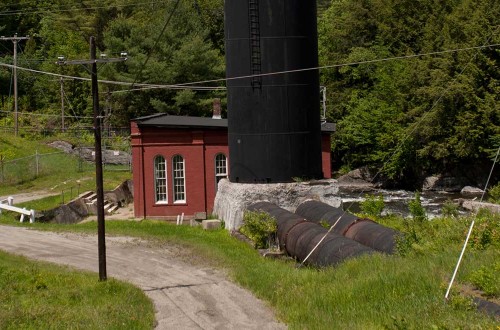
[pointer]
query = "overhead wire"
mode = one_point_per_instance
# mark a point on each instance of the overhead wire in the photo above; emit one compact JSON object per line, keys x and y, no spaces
{"x":44,"y":115}
{"x":122,"y":83}
{"x":192,"y":85}
{"x":331,"y":66}
{"x":71,"y":9}
{"x":189,"y":85}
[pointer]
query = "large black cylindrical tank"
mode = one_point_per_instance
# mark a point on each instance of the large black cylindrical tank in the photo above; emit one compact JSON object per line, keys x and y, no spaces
{"x":273,"y":120}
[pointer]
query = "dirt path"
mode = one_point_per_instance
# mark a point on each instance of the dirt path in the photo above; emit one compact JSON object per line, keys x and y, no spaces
{"x":30,"y":196}
{"x":185,"y":296}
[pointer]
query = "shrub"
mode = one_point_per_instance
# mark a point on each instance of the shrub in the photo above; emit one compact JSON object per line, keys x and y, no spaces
{"x":259,"y":227}
{"x":449,"y":209}
{"x":416,"y":209}
{"x":494,"y":194}
{"x":486,"y":231}
{"x":373,"y":205}
{"x":460,"y":302}
{"x":487,"y":279}
{"x":325,"y":224}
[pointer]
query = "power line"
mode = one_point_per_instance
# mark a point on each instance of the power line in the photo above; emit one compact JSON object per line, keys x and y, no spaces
{"x":110,"y":82}
{"x":15,"y":40}
{"x":33,"y":114}
{"x":341,"y":65}
{"x":71,"y":9}
{"x":189,"y":85}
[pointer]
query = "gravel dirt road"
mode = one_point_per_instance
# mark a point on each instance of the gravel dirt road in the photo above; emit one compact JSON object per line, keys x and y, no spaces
{"x":186,"y":296}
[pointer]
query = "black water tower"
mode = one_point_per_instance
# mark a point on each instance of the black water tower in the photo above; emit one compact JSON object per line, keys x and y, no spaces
{"x":274,"y":120}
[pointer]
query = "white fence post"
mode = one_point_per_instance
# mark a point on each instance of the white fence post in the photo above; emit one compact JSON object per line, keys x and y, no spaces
{"x":10,"y":207}
{"x":22,"y":215}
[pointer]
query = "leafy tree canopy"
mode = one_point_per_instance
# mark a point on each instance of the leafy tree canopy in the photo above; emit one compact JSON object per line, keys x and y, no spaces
{"x":417,"y":115}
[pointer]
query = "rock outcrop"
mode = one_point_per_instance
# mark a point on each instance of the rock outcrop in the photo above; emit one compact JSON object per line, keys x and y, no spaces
{"x":476,"y":206}
{"x":443,"y":183}
{"x":232,"y":199}
{"x":471,"y":191}
{"x":358,"y":180}
{"x":114,"y":157}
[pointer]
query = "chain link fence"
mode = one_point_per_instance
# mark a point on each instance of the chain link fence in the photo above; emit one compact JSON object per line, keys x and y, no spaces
{"x":80,"y":159}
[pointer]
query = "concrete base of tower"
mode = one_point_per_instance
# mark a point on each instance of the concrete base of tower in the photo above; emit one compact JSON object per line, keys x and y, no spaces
{"x":232,"y":199}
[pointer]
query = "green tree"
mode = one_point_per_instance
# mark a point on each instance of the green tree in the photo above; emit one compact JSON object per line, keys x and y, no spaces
{"x":182,"y":54}
{"x":417,"y":115}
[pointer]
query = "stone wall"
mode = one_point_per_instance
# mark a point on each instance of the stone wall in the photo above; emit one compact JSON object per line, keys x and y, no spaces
{"x":77,"y":209}
{"x":232,"y":199}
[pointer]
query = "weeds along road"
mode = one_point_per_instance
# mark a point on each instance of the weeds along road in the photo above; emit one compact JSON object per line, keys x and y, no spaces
{"x":185,"y":296}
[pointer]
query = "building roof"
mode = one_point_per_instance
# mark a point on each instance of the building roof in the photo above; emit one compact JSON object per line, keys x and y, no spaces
{"x":165,"y":120}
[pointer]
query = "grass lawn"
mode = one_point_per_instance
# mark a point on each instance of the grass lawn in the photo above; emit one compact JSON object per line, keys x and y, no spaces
{"x":372,"y":292}
{"x":57,"y":171}
{"x":37,"y":295}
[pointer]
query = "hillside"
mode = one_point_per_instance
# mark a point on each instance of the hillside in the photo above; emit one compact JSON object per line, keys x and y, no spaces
{"x":412,"y":85}
{"x":31,"y":165}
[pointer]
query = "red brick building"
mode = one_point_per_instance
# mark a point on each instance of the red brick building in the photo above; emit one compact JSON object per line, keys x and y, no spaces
{"x":178,"y":161}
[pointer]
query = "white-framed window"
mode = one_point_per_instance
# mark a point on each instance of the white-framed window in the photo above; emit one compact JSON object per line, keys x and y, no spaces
{"x":161,"y":194}
{"x":220,"y":168}
{"x":179,"y":179}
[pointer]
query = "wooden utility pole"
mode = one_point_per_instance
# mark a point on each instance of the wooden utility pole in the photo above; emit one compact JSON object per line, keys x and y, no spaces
{"x":101,"y":243}
{"x":15,"y":39}
{"x":98,"y":165}
{"x":62,"y":105}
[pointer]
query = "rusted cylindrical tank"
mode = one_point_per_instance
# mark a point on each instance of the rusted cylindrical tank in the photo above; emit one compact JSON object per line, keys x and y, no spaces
{"x":316,"y":211}
{"x":334,"y":248}
{"x":299,"y":237}
{"x":374,"y":235}
{"x":364,"y":231}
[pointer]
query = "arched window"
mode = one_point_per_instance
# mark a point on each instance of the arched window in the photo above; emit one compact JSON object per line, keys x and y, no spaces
{"x":220,"y":168}
{"x":179,"y":179}
{"x":161,"y":195}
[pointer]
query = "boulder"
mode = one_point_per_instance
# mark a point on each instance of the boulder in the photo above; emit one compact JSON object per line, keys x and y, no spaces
{"x":114,"y":157}
{"x":357,"y":180}
{"x":63,"y":146}
{"x":211,"y":224}
{"x":471,"y":191}
{"x":476,"y":206}
{"x":442,"y":183}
